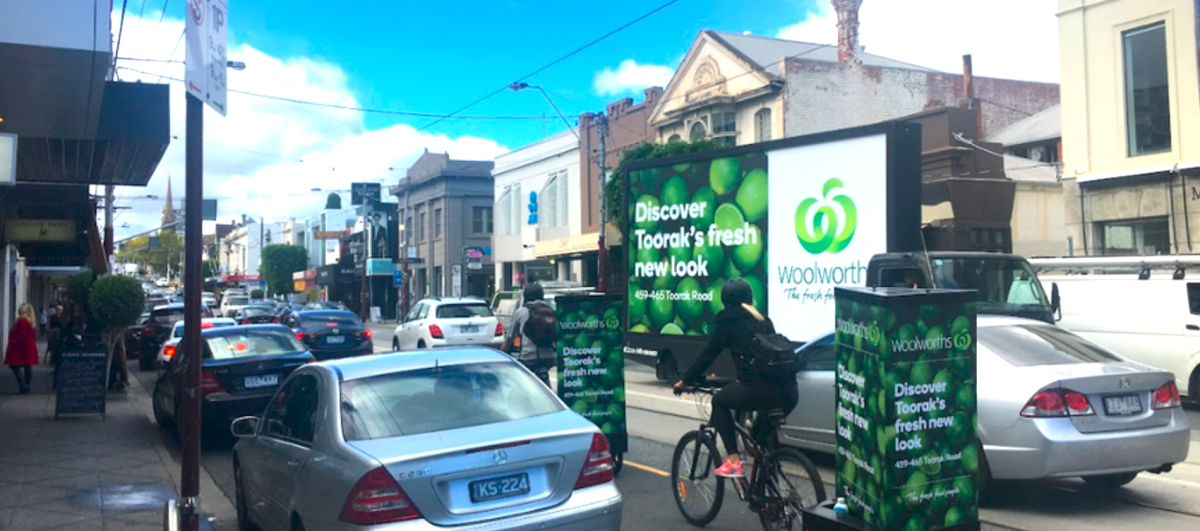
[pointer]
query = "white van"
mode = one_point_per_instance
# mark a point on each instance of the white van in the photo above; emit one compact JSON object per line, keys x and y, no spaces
{"x":1155,"y":321}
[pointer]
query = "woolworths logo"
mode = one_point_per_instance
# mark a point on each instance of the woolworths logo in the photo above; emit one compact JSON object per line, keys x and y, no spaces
{"x":869,"y":332}
{"x":960,"y":341}
{"x":591,"y":324}
{"x":817,"y":221}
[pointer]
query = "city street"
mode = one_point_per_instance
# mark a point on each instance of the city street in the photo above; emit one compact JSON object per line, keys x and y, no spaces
{"x":657,"y":419}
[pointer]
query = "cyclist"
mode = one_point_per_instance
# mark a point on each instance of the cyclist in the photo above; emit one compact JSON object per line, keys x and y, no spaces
{"x":737,"y":325}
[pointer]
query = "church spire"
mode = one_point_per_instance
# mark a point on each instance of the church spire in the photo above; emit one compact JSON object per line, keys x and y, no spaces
{"x":168,"y":213}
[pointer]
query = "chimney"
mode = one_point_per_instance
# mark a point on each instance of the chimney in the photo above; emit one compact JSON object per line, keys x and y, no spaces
{"x":847,"y":16}
{"x":968,"y":100}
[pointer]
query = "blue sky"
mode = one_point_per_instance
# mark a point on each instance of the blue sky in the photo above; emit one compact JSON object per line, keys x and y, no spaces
{"x":437,"y":56}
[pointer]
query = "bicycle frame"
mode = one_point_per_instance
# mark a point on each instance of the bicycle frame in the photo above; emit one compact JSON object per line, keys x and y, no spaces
{"x":752,"y":447}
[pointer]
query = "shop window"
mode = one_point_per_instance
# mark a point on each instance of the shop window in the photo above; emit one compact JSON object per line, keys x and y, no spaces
{"x":1147,"y":96}
{"x":675,"y":138}
{"x":436,"y":288}
{"x":421,"y":227}
{"x":552,"y":202}
{"x":762,"y":125}
{"x":697,"y":132}
{"x":481,"y":220}
{"x":1148,"y":236}
{"x":437,"y":223}
{"x":504,"y":213}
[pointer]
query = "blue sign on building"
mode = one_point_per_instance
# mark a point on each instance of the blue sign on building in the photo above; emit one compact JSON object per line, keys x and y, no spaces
{"x":398,"y":278}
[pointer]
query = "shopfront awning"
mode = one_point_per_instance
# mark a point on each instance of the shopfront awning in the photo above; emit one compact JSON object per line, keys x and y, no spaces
{"x":583,"y":243}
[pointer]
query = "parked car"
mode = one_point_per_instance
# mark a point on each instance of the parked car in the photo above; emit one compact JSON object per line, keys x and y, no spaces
{"x":1050,"y":404}
{"x":232,"y":304}
{"x":242,"y":368}
{"x":133,"y":337}
{"x":325,"y":305}
{"x":435,"y":323}
{"x":156,"y":331}
{"x":172,"y":344}
{"x":422,"y":441}
{"x":255,"y":315}
{"x":153,"y":302}
{"x":332,"y":334}
{"x":209,"y":300}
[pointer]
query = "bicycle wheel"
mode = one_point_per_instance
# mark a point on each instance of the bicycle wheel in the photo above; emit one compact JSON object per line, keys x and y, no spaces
{"x":790,"y":484}
{"x":698,"y":496}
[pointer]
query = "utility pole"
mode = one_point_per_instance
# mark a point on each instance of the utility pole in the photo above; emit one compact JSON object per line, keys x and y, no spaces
{"x":193,"y":233}
{"x":406,"y":281}
{"x":108,"y":224}
{"x":602,"y":253}
{"x":366,"y":289}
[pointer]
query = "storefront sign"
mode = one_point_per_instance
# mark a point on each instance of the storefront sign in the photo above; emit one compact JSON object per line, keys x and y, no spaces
{"x":907,"y":451}
{"x":82,"y":383}
{"x":328,"y":234}
{"x":474,"y":256}
{"x":40,"y":230}
{"x":591,"y":365}
{"x":380,"y":267}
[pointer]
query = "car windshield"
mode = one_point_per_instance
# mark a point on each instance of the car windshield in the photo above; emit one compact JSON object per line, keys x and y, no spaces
{"x":463,"y":311}
{"x":446,"y":398}
{"x":329,"y":319}
{"x":1004,"y":285}
{"x":1038,"y":344}
{"x":245,"y":342}
{"x":237,"y":301}
{"x":256,"y":311}
{"x":167,"y":317}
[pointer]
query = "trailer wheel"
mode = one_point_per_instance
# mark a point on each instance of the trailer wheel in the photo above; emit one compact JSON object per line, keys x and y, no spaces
{"x":1193,"y":394}
{"x":666,"y":369}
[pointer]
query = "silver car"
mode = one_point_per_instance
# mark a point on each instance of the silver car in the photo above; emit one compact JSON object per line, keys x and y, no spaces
{"x":463,"y":439}
{"x":1050,"y":404}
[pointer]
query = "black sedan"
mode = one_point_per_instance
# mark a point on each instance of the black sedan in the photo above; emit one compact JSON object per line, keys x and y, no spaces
{"x":156,"y":330}
{"x":332,"y":334}
{"x":255,"y":315}
{"x":242,"y":367}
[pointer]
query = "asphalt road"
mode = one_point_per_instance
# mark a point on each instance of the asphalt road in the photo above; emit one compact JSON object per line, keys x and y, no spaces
{"x":657,"y":419}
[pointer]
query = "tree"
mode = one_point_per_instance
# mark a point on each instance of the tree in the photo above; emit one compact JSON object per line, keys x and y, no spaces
{"x":80,"y":287}
{"x":115,"y":302}
{"x":333,"y":202}
{"x":211,"y":268}
{"x":614,"y":189}
{"x":256,"y":294}
{"x":278,"y":263}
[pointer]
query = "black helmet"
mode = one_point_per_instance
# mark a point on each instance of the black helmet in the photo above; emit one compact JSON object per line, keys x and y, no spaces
{"x":736,"y":292}
{"x":534,"y":292}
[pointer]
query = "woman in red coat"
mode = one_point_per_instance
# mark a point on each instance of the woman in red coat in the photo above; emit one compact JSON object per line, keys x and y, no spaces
{"x":22,"y":353}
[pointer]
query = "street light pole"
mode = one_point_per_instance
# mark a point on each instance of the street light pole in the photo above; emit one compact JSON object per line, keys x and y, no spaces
{"x":189,"y":421}
{"x":602,"y":252}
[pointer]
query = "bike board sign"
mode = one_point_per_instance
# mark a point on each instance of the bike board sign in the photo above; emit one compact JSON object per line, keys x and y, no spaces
{"x":591,"y":364}
{"x":907,"y":450}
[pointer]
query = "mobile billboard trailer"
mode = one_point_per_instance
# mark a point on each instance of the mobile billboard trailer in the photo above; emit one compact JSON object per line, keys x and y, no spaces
{"x":796,"y":218}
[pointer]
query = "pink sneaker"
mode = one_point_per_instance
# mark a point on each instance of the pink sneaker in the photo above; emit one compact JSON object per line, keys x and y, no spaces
{"x":730,"y":470}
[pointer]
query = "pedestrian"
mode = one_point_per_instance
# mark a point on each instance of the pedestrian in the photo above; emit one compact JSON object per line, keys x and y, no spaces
{"x":21,"y":354}
{"x":43,"y":318}
{"x":532,"y":334}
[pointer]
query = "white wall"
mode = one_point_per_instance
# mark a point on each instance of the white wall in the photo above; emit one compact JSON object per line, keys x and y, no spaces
{"x":529,"y":168}
{"x":74,"y":24}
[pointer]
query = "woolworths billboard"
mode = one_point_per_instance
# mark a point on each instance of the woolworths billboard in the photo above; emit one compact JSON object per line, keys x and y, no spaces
{"x":796,"y":218}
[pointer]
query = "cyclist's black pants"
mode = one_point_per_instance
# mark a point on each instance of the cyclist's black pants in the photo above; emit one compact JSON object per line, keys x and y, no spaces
{"x":754,"y":396}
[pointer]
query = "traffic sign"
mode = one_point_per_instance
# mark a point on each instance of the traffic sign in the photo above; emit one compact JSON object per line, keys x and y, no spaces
{"x":207,"y":28}
{"x":398,"y":278}
{"x":364,"y":193}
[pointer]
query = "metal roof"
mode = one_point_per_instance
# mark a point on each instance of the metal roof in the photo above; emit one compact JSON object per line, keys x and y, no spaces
{"x":1045,"y":125}
{"x":1021,"y":169}
{"x":765,"y":51}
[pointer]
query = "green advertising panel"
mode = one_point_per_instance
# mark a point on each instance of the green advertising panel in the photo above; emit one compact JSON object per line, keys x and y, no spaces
{"x":907,"y":452}
{"x":691,"y":226}
{"x":591,"y":365}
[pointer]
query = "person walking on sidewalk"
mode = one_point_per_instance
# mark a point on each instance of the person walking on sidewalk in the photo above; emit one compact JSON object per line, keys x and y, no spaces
{"x":43,"y":318}
{"x":21,"y":354}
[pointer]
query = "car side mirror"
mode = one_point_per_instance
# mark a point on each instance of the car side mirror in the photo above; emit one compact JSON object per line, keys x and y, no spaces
{"x":244,"y":427}
{"x":1055,"y":301}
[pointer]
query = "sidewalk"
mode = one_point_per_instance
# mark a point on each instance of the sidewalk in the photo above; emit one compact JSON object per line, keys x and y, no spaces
{"x":83,"y":473}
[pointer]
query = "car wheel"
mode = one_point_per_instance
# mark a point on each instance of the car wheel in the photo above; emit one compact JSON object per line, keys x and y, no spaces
{"x":1110,"y":481}
{"x":421,"y":344}
{"x":1194,"y":388}
{"x":243,"y":510}
{"x":984,"y":484}
{"x":297,"y":525}
{"x":666,"y":369}
{"x":396,"y":344}
{"x":159,"y":416}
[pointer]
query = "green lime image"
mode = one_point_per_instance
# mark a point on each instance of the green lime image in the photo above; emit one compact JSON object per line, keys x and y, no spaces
{"x":598,"y":344}
{"x":958,"y":432}
{"x":671,"y":329}
{"x":944,"y":376}
{"x":715,"y":256}
{"x":663,"y":285}
{"x":646,"y":224}
{"x":922,"y":328}
{"x":914,"y":488}
{"x":619,"y":394}
{"x":695,"y":333}
{"x":963,"y":364}
{"x":714,"y":294}
{"x":706,"y":196}
{"x":662,"y":312}
{"x":639,"y":329}
{"x":915,"y":523}
{"x":965,"y":485}
{"x":680,"y":254}
{"x":582,"y":341}
{"x":611,"y":377}
{"x":747,"y":255}
{"x":648,"y":255}
{"x":760,"y":292}
{"x":612,"y":315}
{"x":970,"y":458}
{"x":886,"y":436}
{"x":682,"y":168}
{"x":724,"y":174}
{"x":732,"y":271}
{"x":965,"y":397}
{"x":953,"y":517}
{"x":616,"y":412}
{"x":931,"y":466}
{"x":849,"y":470}
{"x":906,"y":333}
{"x":960,"y":324}
{"x":674,"y":192}
{"x":921,"y":373}
{"x":580,"y":406}
{"x":608,"y":428}
{"x":934,"y":334}
{"x":728,"y":217}
{"x":929,"y":311}
{"x":691,"y":307}
{"x":752,"y":195}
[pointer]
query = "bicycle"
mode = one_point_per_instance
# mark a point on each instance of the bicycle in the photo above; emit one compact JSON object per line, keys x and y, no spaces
{"x":775,"y":479}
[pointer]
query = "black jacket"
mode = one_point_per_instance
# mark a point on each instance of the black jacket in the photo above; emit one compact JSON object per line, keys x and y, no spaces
{"x":735,"y":330}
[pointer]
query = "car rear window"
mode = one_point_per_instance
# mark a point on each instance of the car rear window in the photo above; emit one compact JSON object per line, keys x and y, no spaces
{"x":258,"y":342}
{"x":1029,"y":345}
{"x":445,"y":398}
{"x":256,"y":312}
{"x":237,"y":301}
{"x":463,"y":311}
{"x":326,"y":318}
{"x":167,"y":317}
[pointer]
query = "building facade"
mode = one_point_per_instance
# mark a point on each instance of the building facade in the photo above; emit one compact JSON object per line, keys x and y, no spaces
{"x":241,"y":251}
{"x":1131,"y":126}
{"x":445,"y":206}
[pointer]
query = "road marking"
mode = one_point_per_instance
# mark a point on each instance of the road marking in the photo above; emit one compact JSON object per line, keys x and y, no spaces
{"x":645,"y":468}
{"x":656,"y":397}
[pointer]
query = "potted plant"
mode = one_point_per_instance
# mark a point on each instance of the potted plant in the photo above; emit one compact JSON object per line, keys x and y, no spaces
{"x":115,"y":303}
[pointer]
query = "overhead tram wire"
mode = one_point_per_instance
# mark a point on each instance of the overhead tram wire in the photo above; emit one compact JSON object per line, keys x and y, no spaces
{"x":121,"y":33}
{"x":570,"y":54}
{"x":162,"y":14}
{"x":173,"y":50}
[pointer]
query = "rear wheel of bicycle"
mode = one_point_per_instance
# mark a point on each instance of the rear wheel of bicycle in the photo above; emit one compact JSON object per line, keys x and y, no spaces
{"x":790,"y":484}
{"x":698,"y":496}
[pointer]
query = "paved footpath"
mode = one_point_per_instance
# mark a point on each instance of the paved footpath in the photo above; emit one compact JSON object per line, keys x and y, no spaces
{"x":84,"y":473}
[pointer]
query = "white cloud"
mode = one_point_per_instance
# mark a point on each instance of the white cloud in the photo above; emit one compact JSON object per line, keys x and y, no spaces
{"x":1017,"y":41}
{"x":630,"y":78}
{"x":334,"y":144}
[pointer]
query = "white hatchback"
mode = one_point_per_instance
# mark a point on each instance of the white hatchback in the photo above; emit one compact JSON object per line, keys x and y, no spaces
{"x":434,"y":323}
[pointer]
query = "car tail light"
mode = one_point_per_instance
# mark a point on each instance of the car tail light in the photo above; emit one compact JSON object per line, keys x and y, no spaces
{"x":1167,"y":396}
{"x":1057,"y":403}
{"x":169,"y":352}
{"x":598,"y":468}
{"x":208,"y":384}
{"x":204,"y":325}
{"x":499,"y":329}
{"x":435,"y":332}
{"x":245,"y":321}
{"x":275,"y":320}
{"x":377,"y":499}
{"x":367,"y":333}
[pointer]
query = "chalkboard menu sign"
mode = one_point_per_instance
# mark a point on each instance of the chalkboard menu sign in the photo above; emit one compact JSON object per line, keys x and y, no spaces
{"x":82,"y":379}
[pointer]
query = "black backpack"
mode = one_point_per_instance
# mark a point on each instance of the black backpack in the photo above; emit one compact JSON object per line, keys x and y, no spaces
{"x":542,"y":326}
{"x":772,"y":356}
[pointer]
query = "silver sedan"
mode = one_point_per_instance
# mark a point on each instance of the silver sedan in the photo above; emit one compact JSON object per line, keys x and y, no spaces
{"x":460,"y":439}
{"x":1050,"y":404}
